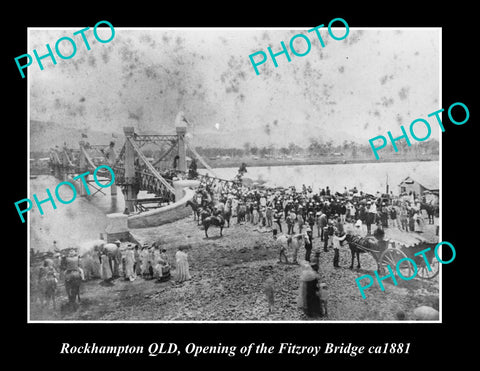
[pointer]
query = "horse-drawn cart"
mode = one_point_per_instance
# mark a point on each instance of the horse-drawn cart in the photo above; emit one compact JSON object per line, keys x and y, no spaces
{"x":405,"y":245}
{"x":394,"y":246}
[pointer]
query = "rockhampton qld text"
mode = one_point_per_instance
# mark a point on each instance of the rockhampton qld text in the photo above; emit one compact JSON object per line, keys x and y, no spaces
{"x":63,"y":40}
{"x":59,"y":199}
{"x":197,"y":350}
{"x":391,"y":273}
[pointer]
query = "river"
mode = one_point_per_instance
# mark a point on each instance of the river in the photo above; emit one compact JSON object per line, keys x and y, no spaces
{"x":369,"y":177}
{"x":84,"y":219}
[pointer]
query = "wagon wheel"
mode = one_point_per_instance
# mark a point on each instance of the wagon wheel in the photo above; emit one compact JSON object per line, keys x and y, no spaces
{"x":423,"y":271}
{"x":390,"y":257}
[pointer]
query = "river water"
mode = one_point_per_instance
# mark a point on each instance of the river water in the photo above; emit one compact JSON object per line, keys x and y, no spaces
{"x":369,"y":177}
{"x":84,"y":219}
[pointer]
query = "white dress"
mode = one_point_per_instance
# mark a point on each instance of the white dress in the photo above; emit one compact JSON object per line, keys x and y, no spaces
{"x":106,"y":270}
{"x":183,"y":271}
{"x":129,"y":262}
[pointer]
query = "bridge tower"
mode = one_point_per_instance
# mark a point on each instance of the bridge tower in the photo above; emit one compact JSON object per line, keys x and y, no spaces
{"x":129,"y":190}
{"x":181,"y":129}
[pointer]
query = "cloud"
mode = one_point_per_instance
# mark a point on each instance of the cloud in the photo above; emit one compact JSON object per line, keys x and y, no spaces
{"x":148,"y":75}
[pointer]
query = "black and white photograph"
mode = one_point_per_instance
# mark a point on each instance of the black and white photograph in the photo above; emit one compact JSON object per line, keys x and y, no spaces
{"x":227,"y":174}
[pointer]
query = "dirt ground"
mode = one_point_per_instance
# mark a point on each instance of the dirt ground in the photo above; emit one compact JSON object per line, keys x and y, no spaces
{"x":228,"y":276}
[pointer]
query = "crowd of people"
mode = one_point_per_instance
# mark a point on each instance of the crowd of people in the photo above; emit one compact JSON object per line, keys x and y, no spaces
{"x":108,"y":262}
{"x":290,"y":210}
{"x":292,"y":215}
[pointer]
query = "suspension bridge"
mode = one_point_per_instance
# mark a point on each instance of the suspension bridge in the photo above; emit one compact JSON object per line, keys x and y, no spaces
{"x":133,"y":170}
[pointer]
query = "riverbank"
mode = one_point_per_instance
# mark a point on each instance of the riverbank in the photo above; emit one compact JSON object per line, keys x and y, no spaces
{"x":326,"y":160}
{"x":228,"y":276}
{"x":265,"y":162}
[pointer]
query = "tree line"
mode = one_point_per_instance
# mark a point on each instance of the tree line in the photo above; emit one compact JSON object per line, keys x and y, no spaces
{"x":316,"y":148}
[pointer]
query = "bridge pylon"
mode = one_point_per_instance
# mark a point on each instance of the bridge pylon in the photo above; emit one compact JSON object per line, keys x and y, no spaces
{"x":181,"y":129}
{"x":130,"y":190}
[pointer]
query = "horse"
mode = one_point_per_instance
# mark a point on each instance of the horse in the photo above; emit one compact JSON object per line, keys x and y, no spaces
{"x":73,"y":281}
{"x":204,"y":213}
{"x":431,"y":211}
{"x":241,"y":212}
{"x":47,"y":282}
{"x":196,"y":209}
{"x":359,"y":245}
{"x":218,"y":221}
{"x":48,"y":287}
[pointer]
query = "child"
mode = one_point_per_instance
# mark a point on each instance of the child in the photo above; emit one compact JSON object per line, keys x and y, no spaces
{"x":323,"y":293}
{"x":269,"y":292}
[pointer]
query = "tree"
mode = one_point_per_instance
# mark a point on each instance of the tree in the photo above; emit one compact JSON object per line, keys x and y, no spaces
{"x":263,"y":151}
{"x":328,"y":146}
{"x":292,"y":147}
{"x":353,"y":148}
{"x":314,"y":148}
{"x":246,"y":148}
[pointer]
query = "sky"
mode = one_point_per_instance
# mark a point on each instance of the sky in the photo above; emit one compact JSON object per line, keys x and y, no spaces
{"x":373,"y":81}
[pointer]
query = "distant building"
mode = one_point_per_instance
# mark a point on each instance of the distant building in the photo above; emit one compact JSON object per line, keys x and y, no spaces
{"x":422,"y":187}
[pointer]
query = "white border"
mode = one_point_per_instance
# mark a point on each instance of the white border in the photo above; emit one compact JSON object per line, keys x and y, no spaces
{"x":299,"y":322}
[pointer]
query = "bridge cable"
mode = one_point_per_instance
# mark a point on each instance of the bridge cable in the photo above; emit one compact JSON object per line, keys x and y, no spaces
{"x":150,"y":166}
{"x":200,"y":158}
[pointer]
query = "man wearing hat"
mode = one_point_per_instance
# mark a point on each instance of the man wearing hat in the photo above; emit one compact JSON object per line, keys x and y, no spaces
{"x":370,"y":217}
{"x":115,"y":256}
{"x":358,"y":229}
{"x":269,"y":215}
{"x":308,"y":243}
{"x":338,"y":240}
{"x":300,"y":220}
{"x":327,"y":235}
{"x":343,"y":211}
{"x":384,"y":215}
{"x":321,"y":224}
{"x":311,"y":219}
{"x":72,"y":263}
{"x":277,"y":215}
{"x":290,"y":219}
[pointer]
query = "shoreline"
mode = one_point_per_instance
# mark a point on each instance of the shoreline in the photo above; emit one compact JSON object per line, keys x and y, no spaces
{"x":295,"y":162}
{"x":263,"y":162}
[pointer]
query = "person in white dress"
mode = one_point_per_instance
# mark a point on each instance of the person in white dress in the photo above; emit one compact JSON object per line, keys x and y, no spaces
{"x":181,"y":259}
{"x":129,"y":263}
